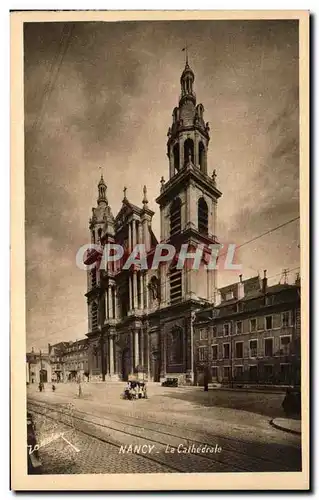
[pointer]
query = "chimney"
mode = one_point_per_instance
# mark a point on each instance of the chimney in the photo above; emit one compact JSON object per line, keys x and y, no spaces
{"x":264,"y":282}
{"x":241,"y":288}
{"x":297,"y":280}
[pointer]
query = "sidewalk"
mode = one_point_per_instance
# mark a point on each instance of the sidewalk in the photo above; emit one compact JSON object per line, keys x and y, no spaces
{"x":287,"y":425}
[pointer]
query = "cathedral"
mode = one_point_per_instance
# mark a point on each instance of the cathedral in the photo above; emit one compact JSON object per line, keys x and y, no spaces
{"x":140,"y":322}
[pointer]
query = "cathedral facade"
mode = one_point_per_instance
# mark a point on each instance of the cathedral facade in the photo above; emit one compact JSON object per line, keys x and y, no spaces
{"x":141,"y":320}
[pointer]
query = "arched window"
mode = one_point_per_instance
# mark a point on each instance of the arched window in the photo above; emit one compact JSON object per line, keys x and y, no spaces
{"x":188,"y":150}
{"x":176,"y":157}
{"x":202,"y":216}
{"x":176,"y":346}
{"x":175,"y":281}
{"x":175,"y":217}
{"x":201,"y":156}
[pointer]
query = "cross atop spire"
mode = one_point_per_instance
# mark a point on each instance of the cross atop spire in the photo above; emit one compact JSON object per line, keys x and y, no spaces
{"x":185,"y":49}
{"x":124,"y":193}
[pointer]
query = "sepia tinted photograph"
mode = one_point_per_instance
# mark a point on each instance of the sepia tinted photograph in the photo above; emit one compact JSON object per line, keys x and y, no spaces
{"x":162,"y":328}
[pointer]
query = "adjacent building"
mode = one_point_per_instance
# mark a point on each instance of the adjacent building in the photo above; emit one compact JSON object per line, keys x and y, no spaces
{"x":64,"y":362}
{"x":38,"y":367}
{"x":76,"y":361}
{"x":251,"y":336}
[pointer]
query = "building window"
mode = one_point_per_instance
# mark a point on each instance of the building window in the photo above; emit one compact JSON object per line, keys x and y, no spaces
{"x":175,"y":217}
{"x":203,"y":335}
{"x":285,"y":319}
{"x":202,"y":354}
{"x":226,"y":372}
{"x":269,"y":347}
{"x":239,"y":327}
{"x":214,"y":331}
{"x":229,"y":295}
{"x":175,"y":280}
{"x":214,"y":351}
{"x":253,"y":325}
{"x":268,"y":321}
{"x":239,"y":371}
{"x":285,"y":373}
{"x":176,"y":157}
{"x":285,"y":344}
{"x":202,"y":211}
{"x":268,"y":371}
{"x":226,"y":329}
{"x":239,"y":349}
{"x":253,"y":348}
{"x":214,"y":372}
{"x":253,"y":373}
{"x":226,"y":351}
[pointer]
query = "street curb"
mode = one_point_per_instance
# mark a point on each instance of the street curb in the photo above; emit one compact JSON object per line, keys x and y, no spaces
{"x":276,"y":426}
{"x":255,"y":391}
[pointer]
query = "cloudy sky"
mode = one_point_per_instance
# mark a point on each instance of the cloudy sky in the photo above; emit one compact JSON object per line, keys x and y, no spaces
{"x":99,"y":97}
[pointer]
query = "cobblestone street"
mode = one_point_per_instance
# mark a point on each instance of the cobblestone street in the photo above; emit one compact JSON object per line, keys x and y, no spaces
{"x":170,"y":421}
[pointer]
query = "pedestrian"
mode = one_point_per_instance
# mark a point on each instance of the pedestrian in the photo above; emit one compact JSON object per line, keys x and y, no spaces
{"x":40,"y":386}
{"x":206,"y":381}
{"x":53,"y":387}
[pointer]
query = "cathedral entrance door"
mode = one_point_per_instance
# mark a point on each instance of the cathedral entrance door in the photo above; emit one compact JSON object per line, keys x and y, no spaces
{"x":43,"y":376}
{"x":155,"y":367}
{"x":126,"y":362}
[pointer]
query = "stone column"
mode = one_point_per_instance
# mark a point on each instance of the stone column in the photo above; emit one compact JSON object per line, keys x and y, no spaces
{"x":196,"y":149}
{"x":115,"y":303}
{"x":109,"y":302}
{"x":130,"y":236}
{"x":133,"y":233}
{"x":146,"y":233}
{"x":209,"y":285}
{"x":140,"y":233}
{"x":136,"y":348}
{"x":142,"y":290}
{"x":135,"y":301}
{"x":130,"y":292}
{"x":146,"y":291}
{"x":163,"y":225}
{"x":111,"y":351}
{"x":132,"y":350}
{"x":142,"y":347}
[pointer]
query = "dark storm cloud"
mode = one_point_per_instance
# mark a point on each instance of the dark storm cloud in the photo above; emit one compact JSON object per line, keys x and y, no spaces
{"x":110,"y":108}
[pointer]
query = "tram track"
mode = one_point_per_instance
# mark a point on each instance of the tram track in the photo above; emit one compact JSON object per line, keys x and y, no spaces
{"x":138,"y":429}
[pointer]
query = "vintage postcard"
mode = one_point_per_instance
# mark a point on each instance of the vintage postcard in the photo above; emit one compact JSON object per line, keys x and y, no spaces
{"x":159,"y":204}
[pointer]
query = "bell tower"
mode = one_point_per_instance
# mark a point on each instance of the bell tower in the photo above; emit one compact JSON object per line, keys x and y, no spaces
{"x":188,"y":200}
{"x":188,"y":207}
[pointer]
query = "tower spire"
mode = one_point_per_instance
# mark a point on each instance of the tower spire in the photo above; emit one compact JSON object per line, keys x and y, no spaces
{"x":102,"y":191}
{"x":185,"y":49}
